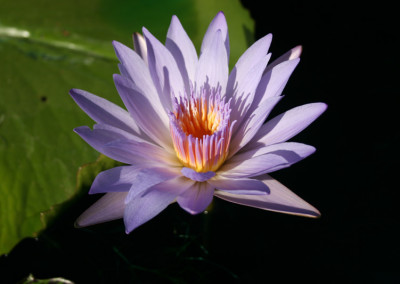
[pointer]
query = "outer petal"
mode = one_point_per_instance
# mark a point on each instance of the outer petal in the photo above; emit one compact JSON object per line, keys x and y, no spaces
{"x":291,"y":54}
{"x":212,"y":69}
{"x":246,"y":62}
{"x":281,"y":199}
{"x":274,"y":81}
{"x":141,"y":152}
{"x":117,"y":179}
{"x":183,"y":50}
{"x":265,"y":160}
{"x":153,"y":121}
{"x":240,"y":186}
{"x":139,"y":43}
{"x":196,"y":198}
{"x":284,"y":126}
{"x":246,"y":131}
{"x":245,"y":89}
{"x":103,"y":111}
{"x":144,"y":207}
{"x":136,"y":69}
{"x":100,"y":136}
{"x":109,"y":207}
{"x":147,"y":178}
{"x":163,"y":70}
{"x":218,"y":23}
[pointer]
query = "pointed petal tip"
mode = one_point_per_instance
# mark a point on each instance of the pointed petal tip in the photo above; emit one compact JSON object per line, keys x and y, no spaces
{"x":296,"y":52}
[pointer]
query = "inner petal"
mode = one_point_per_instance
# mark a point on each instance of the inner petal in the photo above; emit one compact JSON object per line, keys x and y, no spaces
{"x":201,"y":129}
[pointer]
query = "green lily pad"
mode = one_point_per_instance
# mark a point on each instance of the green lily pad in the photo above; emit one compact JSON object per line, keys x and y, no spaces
{"x":48,"y":47}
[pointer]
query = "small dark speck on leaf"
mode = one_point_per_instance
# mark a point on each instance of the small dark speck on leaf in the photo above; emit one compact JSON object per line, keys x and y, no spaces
{"x":43,"y":98}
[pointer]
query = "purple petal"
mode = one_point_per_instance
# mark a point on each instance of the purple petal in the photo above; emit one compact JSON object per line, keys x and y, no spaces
{"x":290,"y":55}
{"x":137,"y":71}
{"x":149,"y":177}
{"x":249,"y":128}
{"x":109,"y":207}
{"x":183,"y":50}
{"x":117,"y":179}
{"x":139,"y":43}
{"x":240,"y":186}
{"x":281,"y":199}
{"x":285,"y":126}
{"x":212,"y":69}
{"x":144,"y":207}
{"x":265,"y":160}
{"x":274,"y":81}
{"x":164,"y":70}
{"x":102,"y":135}
{"x":246,"y":62}
{"x":196,"y":198}
{"x":197,"y":176}
{"x":141,"y":153}
{"x":245,"y":89}
{"x":218,"y":23}
{"x":103,"y":111}
{"x":154,"y":122}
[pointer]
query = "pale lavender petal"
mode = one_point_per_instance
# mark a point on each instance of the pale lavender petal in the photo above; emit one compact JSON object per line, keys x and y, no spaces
{"x":164,"y":70}
{"x":247,"y":61}
{"x":240,"y":186}
{"x":274,"y":81}
{"x":286,"y":149}
{"x":183,"y":50}
{"x":197,"y":176}
{"x":291,"y":54}
{"x":141,"y":152}
{"x":154,"y":122}
{"x":103,"y":111}
{"x":146,"y":206}
{"x":218,"y":23}
{"x":249,"y":128}
{"x":102,"y":135}
{"x":281,"y":199}
{"x":212,"y":69}
{"x":265,"y":160}
{"x":245,"y":89}
{"x":149,"y":177}
{"x":137,"y":71}
{"x":109,"y":207}
{"x":117,"y":179}
{"x":284,"y":126}
{"x":196,"y":198}
{"x":139,"y":44}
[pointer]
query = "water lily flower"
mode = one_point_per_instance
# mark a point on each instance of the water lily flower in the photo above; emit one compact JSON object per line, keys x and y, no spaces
{"x":192,"y":131}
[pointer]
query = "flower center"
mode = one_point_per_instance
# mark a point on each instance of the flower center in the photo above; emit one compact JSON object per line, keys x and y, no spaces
{"x":201,"y":130}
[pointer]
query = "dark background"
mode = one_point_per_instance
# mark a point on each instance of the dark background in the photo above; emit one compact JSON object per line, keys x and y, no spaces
{"x":350,"y":61}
